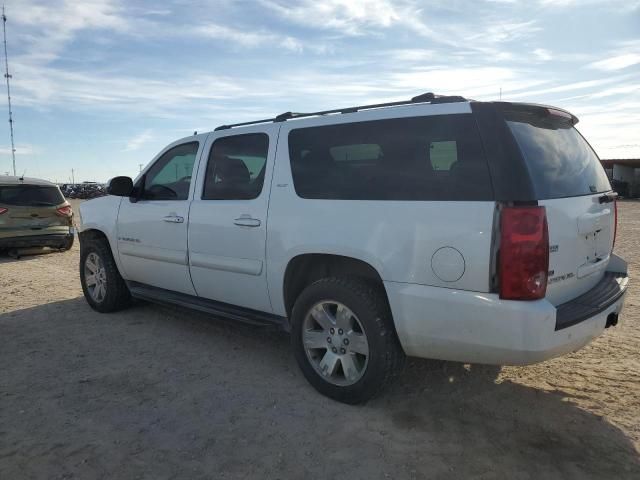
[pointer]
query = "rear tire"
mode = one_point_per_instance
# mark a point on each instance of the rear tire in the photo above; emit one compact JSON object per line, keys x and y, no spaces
{"x":361,"y":356}
{"x":68,"y":243}
{"x":103,"y":287}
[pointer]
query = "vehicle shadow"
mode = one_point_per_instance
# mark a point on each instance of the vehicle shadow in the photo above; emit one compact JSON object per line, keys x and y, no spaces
{"x":506,"y":427}
{"x":167,"y":391}
{"x":15,"y":255}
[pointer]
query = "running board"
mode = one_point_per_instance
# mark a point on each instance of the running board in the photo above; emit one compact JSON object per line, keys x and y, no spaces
{"x":219,"y":309}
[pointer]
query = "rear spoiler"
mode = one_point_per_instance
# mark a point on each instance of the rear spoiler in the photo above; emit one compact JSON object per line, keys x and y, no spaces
{"x":544,"y":111}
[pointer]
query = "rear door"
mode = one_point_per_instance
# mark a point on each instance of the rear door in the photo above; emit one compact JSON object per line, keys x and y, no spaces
{"x":228,"y":218}
{"x":570,"y":182}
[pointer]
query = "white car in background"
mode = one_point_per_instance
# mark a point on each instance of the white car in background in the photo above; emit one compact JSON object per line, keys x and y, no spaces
{"x":437,"y":227}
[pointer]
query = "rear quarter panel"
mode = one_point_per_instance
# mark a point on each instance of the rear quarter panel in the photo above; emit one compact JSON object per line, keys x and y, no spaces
{"x":397,"y":238}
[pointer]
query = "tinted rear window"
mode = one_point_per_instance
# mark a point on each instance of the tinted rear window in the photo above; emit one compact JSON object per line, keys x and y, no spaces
{"x":561,"y":163}
{"x":30,"y":195}
{"x":419,"y":158}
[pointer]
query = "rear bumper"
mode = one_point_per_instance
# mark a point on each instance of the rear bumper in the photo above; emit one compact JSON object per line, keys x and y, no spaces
{"x":472,"y":327}
{"x":607,"y":292}
{"x":55,"y":240}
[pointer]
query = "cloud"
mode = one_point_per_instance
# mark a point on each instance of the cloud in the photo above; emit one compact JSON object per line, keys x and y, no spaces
{"x":347,"y":16}
{"x":586,"y":84}
{"x":628,"y":5}
{"x":21,"y":149}
{"x":411,"y":55}
{"x":55,"y":23}
{"x":354,"y":18}
{"x":500,"y":31}
{"x":542,"y":54}
{"x":420,"y":20}
{"x":248,"y":38}
{"x":617,"y":62}
{"x":50,"y":86}
{"x":138,"y":141}
{"x":613,"y":133}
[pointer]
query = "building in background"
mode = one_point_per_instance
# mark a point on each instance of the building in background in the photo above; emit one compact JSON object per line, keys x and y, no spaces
{"x":624,"y":174}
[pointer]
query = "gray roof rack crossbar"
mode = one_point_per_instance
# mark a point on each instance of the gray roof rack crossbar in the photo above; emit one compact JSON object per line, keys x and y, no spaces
{"x":283,"y":117}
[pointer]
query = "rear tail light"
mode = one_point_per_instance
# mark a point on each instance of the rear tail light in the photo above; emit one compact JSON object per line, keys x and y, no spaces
{"x":615,"y":222}
{"x":3,"y":210}
{"x":524,"y":253}
{"x":64,"y":211}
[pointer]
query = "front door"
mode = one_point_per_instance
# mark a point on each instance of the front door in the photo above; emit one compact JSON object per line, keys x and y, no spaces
{"x":228,"y":218}
{"x":152,"y":231}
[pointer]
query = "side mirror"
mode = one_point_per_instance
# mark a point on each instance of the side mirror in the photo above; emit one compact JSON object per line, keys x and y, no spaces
{"x":120,"y":186}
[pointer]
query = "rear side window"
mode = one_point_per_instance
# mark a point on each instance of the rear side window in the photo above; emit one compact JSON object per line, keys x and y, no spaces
{"x":560,"y":161}
{"x":236,"y":167}
{"x":30,"y":196}
{"x":419,"y":158}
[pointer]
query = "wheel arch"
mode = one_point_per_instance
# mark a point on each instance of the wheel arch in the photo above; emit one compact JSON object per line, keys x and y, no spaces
{"x":304,"y":269}
{"x":93,"y":233}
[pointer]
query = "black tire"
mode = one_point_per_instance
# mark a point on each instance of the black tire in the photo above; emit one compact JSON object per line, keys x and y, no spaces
{"x":68,"y":243}
{"x":368,"y":302}
{"x":117,"y":294}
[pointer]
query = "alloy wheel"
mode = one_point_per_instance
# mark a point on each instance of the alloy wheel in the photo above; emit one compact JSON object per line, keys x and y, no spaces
{"x":95,"y":277}
{"x":335,"y":343}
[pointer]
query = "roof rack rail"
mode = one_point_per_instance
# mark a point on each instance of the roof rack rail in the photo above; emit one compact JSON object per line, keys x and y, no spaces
{"x":428,"y":97}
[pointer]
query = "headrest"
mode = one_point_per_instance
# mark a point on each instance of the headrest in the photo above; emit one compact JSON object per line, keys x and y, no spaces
{"x":233,"y":170}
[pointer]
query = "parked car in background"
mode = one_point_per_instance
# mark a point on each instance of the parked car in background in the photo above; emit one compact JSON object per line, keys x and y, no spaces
{"x":85,"y":190}
{"x":33,"y":213}
{"x":438,"y":227}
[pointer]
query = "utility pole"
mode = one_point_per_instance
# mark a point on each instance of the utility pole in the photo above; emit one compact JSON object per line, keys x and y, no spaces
{"x":7,"y":76}
{"x":73,"y":178}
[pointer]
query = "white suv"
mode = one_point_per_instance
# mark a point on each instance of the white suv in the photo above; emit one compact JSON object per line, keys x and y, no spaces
{"x":437,"y":227}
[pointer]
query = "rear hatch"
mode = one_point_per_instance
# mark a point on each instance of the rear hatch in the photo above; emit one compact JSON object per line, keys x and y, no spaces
{"x":32,"y":210}
{"x":569,"y":181}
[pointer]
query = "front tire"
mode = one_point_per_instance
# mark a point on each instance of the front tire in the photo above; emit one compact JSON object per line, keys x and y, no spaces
{"x":103,"y":287}
{"x":344,"y":340}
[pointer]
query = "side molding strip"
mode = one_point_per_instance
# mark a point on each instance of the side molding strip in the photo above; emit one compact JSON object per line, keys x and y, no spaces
{"x":159,"y":254}
{"x":247,"y":266}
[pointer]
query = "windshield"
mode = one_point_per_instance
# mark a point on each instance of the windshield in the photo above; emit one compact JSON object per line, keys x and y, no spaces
{"x":560,"y":161}
{"x":30,"y":195}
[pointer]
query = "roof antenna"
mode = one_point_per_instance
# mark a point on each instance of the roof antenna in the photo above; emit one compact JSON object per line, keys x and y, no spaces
{"x":7,"y":76}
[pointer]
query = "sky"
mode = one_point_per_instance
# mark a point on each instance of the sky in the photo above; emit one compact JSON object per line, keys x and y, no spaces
{"x":101,"y":86}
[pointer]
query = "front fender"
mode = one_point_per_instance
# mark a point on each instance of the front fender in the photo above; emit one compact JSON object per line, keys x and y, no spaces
{"x":101,"y":214}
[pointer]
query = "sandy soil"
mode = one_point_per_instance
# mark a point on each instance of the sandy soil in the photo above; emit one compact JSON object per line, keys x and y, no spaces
{"x":158,"y":393}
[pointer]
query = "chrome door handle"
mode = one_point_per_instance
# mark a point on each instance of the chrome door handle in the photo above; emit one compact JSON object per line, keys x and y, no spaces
{"x":247,"y":221}
{"x":173,"y":219}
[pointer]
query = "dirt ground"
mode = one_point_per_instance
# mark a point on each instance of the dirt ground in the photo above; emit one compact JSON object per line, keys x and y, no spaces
{"x":163,"y":393}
